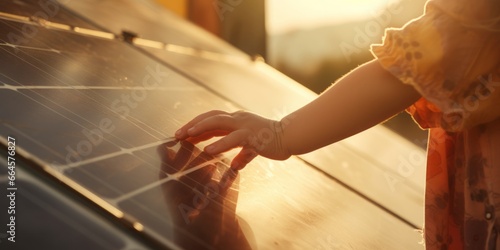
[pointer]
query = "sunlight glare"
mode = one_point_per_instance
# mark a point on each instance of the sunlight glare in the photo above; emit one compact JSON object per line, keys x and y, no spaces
{"x":287,"y":15}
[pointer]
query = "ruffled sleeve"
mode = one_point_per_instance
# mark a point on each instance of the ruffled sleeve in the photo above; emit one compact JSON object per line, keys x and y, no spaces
{"x":451,"y":55}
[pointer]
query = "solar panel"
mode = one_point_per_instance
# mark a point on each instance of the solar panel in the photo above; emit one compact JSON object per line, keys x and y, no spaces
{"x":375,"y":171}
{"x":97,"y":113}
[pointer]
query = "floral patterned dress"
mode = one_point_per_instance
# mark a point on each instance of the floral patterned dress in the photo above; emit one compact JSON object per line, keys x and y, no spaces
{"x":451,"y":55}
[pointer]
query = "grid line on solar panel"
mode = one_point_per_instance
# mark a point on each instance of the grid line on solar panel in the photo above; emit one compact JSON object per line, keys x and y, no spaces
{"x":110,"y":174}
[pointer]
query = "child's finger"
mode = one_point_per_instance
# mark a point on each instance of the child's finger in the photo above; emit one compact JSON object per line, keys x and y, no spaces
{"x":182,"y":132}
{"x":207,"y":136}
{"x":235,"y":139}
{"x":216,"y":122}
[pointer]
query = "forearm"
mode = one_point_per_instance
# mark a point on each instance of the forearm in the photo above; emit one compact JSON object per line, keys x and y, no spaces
{"x":363,"y":98}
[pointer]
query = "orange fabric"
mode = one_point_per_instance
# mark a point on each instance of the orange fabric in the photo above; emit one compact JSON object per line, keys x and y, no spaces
{"x":451,"y":55}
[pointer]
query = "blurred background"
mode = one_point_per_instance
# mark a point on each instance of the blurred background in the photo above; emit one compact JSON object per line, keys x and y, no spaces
{"x":312,"y":41}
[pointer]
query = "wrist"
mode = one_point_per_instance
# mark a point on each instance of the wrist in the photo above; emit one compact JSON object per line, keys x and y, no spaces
{"x":280,"y":139}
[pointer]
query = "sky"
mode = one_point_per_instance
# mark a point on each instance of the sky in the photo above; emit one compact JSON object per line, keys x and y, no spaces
{"x":285,"y":15}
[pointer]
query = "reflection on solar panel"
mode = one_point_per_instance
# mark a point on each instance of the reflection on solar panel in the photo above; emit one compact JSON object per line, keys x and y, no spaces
{"x":92,"y":113}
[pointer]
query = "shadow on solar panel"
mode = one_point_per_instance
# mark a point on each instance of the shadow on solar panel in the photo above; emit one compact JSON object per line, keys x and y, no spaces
{"x":202,"y":197}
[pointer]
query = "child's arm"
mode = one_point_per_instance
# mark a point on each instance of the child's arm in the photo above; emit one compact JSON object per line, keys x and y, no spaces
{"x":363,"y":98}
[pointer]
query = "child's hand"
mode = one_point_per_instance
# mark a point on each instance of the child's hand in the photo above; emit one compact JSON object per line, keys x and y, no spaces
{"x":255,"y":134}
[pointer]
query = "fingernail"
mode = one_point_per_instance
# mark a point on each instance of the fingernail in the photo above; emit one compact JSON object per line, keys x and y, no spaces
{"x":210,"y":148}
{"x":178,"y":132}
{"x":191,"y":130}
{"x":235,"y":166}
